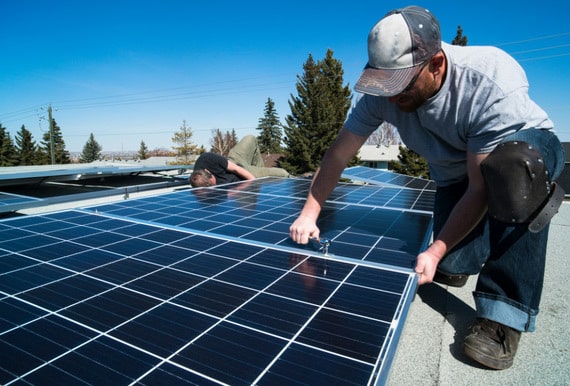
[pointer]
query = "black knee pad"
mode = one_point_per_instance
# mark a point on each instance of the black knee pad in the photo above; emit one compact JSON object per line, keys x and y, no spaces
{"x":519,"y":189}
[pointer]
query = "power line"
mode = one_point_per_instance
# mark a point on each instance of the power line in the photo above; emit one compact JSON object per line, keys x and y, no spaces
{"x":213,"y":89}
{"x":533,"y":39}
{"x":544,"y":57}
{"x":167,"y":97}
{"x":540,"y":49}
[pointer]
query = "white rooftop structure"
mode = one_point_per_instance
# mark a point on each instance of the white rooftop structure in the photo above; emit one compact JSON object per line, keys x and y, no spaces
{"x":378,"y":156}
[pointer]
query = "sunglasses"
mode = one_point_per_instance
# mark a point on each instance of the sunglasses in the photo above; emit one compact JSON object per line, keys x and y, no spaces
{"x":415,"y":78}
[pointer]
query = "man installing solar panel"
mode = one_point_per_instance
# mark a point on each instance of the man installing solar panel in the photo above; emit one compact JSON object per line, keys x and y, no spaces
{"x":244,"y":162}
{"x":492,"y":153}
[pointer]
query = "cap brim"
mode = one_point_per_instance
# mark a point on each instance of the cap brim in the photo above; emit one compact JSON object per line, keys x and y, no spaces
{"x":382,"y":82}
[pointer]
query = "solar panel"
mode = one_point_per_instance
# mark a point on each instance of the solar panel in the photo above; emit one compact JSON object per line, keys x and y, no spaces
{"x":385,"y":195}
{"x":263,"y":210}
{"x":10,"y":202}
{"x":377,"y":176}
{"x":16,"y":175}
{"x":136,"y":297}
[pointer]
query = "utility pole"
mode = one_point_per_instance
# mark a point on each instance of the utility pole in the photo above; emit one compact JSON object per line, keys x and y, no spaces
{"x":51,"y":144}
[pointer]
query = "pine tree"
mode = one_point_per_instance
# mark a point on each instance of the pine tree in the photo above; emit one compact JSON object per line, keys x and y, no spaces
{"x":8,"y":156}
{"x":411,"y":163}
{"x":91,"y":151}
{"x":270,"y":136}
{"x":26,"y":147}
{"x":143,"y":151}
{"x":317,"y":114}
{"x":459,"y":39}
{"x":61,"y":155}
{"x":184,"y":147}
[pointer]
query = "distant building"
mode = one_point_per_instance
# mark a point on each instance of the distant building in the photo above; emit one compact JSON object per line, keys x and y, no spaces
{"x":271,"y":159}
{"x":372,"y":156}
{"x":378,"y":156}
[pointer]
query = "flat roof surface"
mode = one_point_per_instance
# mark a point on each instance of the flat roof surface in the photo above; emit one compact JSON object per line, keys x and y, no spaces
{"x":430,"y":351}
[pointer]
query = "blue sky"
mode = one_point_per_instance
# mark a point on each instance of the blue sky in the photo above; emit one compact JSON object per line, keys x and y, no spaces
{"x":128,"y":71}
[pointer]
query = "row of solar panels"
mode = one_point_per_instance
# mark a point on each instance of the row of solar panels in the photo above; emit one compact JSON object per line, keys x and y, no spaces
{"x":10,"y":202}
{"x":25,"y":187}
{"x":203,"y":286}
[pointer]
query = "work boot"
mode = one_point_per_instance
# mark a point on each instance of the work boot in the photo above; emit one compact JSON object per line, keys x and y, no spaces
{"x":449,"y":279}
{"x":492,"y":344}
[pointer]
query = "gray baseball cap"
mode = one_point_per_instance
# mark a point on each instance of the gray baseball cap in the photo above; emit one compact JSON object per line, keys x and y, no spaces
{"x":398,"y":44}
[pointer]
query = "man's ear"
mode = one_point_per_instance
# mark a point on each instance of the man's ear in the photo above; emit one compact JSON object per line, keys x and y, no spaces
{"x":436,"y":62}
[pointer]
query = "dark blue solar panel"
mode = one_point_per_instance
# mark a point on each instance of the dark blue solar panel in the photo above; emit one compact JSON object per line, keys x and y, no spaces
{"x":331,"y":369}
{"x":167,"y":328}
{"x":12,"y":202}
{"x":14,"y":313}
{"x":274,"y":314}
{"x":231,"y":353}
{"x":391,"y":197}
{"x":66,"y":292}
{"x":347,"y":334}
{"x":403,"y":192}
{"x":360,"y":226}
{"x":377,"y":176}
{"x":124,"y":303}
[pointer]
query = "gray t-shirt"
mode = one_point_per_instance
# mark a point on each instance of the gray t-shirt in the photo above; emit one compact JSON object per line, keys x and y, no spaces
{"x":484,"y":99}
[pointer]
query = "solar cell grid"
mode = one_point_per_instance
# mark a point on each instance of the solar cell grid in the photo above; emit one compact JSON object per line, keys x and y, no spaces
{"x":167,"y":304}
{"x":403,"y":192}
{"x":385,"y":196}
{"x":358,"y":231}
{"x":10,"y":202}
{"x":377,"y":176}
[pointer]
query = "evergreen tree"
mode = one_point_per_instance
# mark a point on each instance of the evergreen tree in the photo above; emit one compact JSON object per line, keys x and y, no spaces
{"x":459,"y":39}
{"x":317,"y":114}
{"x":270,"y":136}
{"x":91,"y":151}
{"x":411,"y":163}
{"x":8,"y":156}
{"x":143,"y":151}
{"x":183,"y":145}
{"x":298,"y":143}
{"x":26,"y":147}
{"x":61,"y":155}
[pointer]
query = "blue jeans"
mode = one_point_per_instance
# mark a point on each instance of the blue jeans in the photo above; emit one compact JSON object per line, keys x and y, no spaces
{"x":509,"y":258}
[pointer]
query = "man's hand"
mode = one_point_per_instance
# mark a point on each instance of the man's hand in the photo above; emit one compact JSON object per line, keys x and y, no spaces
{"x":239,"y":171}
{"x":336,"y":158}
{"x":428,"y":260}
{"x":463,"y":218}
{"x":303,"y":229}
{"x":425,"y":267}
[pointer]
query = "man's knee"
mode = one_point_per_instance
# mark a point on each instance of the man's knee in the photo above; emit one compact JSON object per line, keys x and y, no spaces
{"x":249,"y":140}
{"x":519,"y":188}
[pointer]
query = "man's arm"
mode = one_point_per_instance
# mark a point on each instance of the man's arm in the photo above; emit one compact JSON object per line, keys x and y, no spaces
{"x":239,"y":171}
{"x":326,"y":178}
{"x":465,"y":216}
